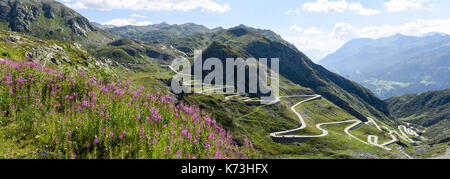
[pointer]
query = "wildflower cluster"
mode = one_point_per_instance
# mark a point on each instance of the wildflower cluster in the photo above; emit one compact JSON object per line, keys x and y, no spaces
{"x":82,"y":116}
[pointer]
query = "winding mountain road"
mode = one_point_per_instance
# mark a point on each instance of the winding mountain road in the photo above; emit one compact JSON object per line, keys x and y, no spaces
{"x":289,"y":135}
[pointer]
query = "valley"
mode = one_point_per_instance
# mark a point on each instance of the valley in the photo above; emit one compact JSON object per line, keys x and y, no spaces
{"x":74,"y":89}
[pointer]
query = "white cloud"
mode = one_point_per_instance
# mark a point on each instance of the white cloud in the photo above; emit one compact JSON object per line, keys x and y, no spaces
{"x":404,"y":5}
{"x":325,"y":6}
{"x":414,"y":28}
{"x":126,"y":21}
{"x":137,"y":16}
{"x":143,"y":23}
{"x":339,"y":6}
{"x":309,"y":30}
{"x":328,"y":42}
{"x":131,"y":20}
{"x":149,"y":5}
{"x":293,"y":11}
{"x":296,"y":28}
{"x":357,"y":8}
{"x":312,"y":31}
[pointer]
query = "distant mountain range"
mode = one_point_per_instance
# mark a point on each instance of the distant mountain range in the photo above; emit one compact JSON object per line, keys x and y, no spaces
{"x":395,"y":65}
{"x":157,"y":32}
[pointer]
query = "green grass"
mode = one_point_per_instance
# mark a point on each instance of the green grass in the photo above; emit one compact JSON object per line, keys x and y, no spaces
{"x":48,"y":113}
{"x":413,"y":117}
{"x":256,"y":122}
{"x":320,"y":111}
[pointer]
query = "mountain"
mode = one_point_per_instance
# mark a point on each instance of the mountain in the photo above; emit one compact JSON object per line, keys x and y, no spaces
{"x":395,"y":65}
{"x":98,"y":92}
{"x":158,"y":32}
{"x":101,"y":26}
{"x":430,"y":110}
{"x":294,"y":66}
{"x":56,"y":54}
{"x":49,"y":20}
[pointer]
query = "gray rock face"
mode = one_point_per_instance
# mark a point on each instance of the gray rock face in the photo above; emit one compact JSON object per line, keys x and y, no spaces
{"x":33,"y":17}
{"x":4,"y":10}
{"x":49,"y":11}
{"x":81,"y":26}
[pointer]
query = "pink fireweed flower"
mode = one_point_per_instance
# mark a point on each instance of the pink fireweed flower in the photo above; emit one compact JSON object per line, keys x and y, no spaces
{"x":69,"y":133}
{"x":195,"y":141}
{"x":189,"y":137}
{"x":211,"y":137}
{"x":85,"y":103}
{"x":155,"y":141}
{"x":94,"y":98}
{"x":178,"y":153}
{"x":246,"y":141}
{"x":95,"y":140}
{"x":138,"y":116}
{"x":152,"y":110}
{"x":111,"y":135}
{"x":168,"y":149}
{"x":218,"y":155}
{"x":184,"y":132}
{"x":57,"y":141}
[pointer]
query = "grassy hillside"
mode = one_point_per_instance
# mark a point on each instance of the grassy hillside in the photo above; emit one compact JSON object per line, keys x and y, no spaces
{"x":63,"y":114}
{"x":52,"y":53}
{"x":294,"y":66}
{"x":257,"y":122}
{"x":430,"y":110}
{"x":40,"y":107}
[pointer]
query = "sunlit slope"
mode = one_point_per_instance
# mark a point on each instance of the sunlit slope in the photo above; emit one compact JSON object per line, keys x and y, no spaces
{"x":294,"y":66}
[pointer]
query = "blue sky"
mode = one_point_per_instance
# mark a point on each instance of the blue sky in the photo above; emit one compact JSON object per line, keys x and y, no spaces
{"x":316,"y":27}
